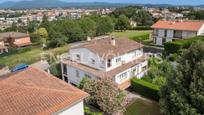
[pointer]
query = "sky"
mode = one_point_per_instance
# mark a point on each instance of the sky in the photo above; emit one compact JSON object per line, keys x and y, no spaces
{"x":175,"y":2}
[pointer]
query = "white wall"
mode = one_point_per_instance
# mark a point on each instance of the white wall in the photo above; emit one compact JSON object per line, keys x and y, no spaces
{"x":130,"y":73}
{"x":86,"y":58}
{"x":188,"y":34}
{"x":161,"y":32}
{"x":77,"y":109}
{"x":201,"y":31}
{"x":128,"y":57}
{"x":71,"y":71}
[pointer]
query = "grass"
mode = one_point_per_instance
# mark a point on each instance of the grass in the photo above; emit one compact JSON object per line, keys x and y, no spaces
{"x":30,"y":56}
{"x":143,"y":107}
{"x":139,"y":36}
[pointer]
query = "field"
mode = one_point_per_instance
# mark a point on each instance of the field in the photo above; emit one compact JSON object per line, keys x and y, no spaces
{"x":143,"y":107}
{"x":29,"y":56}
{"x":139,"y":36}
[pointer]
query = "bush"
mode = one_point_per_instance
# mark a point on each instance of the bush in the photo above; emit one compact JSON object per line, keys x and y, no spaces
{"x":177,"y":46}
{"x":145,"y":88}
{"x":89,"y":112}
{"x":55,"y":70}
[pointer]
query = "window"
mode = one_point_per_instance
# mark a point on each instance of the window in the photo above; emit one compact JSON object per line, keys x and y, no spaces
{"x":92,"y":61}
{"x":165,"y":33}
{"x":118,"y":60}
{"x":144,"y":68}
{"x":77,"y":73}
{"x":65,"y":69}
{"x":123,"y":76}
{"x":88,"y":76}
{"x":109,"y":62}
{"x":78,"y":57}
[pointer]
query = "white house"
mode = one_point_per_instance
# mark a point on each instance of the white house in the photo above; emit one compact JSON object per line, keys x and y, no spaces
{"x":35,"y":92}
{"x":167,"y":31}
{"x":118,"y":59}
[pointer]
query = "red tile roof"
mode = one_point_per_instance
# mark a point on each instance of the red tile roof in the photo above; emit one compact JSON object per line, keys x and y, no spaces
{"x":33,"y":91}
{"x":179,"y":25}
{"x":105,"y":49}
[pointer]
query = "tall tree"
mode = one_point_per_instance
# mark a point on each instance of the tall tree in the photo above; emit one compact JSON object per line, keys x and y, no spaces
{"x":143,"y":18}
{"x":104,"y":25}
{"x":122,"y":23}
{"x":183,"y":93}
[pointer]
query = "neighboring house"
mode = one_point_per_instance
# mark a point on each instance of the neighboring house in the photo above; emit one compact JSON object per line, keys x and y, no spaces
{"x":35,"y":92}
{"x":13,"y":39}
{"x":117,"y":59}
{"x":167,"y":31}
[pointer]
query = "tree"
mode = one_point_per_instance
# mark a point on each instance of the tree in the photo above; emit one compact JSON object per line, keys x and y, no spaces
{"x":122,"y":23}
{"x":40,"y":36}
{"x":88,"y":26}
{"x":45,"y":23}
{"x":104,"y":25}
{"x":143,"y":18}
{"x":103,"y":93}
{"x":183,"y":93}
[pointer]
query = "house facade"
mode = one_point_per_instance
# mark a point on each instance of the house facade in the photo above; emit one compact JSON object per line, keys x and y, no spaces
{"x":13,"y":39}
{"x":117,"y":59}
{"x":167,"y":31}
{"x":35,"y":92}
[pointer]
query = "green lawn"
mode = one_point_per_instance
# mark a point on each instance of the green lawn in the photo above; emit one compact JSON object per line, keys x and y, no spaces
{"x":29,"y":57}
{"x":143,"y":107}
{"x":139,"y":36}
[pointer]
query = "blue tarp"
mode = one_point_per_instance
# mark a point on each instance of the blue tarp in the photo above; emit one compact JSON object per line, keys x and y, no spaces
{"x":19,"y":67}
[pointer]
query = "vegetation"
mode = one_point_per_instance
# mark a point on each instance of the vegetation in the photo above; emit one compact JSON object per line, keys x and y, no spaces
{"x":196,"y":15}
{"x":139,"y":36}
{"x":89,"y":112}
{"x":179,"y":45}
{"x":136,"y":13}
{"x":158,"y":72}
{"x":183,"y":93}
{"x":103,"y":94}
{"x":122,"y":23}
{"x":143,"y":107}
{"x":28,"y":56}
{"x":145,"y":88}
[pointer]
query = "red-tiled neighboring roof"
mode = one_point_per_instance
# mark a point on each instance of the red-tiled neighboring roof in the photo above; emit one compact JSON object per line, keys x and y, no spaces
{"x":105,"y":49}
{"x":189,"y":25}
{"x":33,"y":91}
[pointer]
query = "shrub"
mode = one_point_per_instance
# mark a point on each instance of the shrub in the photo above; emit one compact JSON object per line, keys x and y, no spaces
{"x":55,"y":70}
{"x":145,"y":88}
{"x":177,"y":46}
{"x":89,"y":112}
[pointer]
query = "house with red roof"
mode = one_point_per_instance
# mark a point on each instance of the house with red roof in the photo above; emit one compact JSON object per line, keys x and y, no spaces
{"x":34,"y":92}
{"x":13,"y":39}
{"x":170,"y":30}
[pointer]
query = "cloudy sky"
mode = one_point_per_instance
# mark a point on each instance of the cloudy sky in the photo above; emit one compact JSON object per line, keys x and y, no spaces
{"x":180,"y":2}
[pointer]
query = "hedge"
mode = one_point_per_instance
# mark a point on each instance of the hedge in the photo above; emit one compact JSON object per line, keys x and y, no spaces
{"x":145,"y":88}
{"x":141,"y":28}
{"x":177,"y":46}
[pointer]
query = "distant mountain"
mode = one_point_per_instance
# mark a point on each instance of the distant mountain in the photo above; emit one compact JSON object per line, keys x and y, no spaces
{"x":57,"y":3}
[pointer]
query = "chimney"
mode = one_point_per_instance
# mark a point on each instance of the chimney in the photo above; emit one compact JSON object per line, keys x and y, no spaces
{"x":113,"y":41}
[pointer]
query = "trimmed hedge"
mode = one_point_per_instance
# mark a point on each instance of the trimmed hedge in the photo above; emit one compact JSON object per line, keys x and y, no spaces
{"x":141,"y":28}
{"x":145,"y":88}
{"x":177,"y":46}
